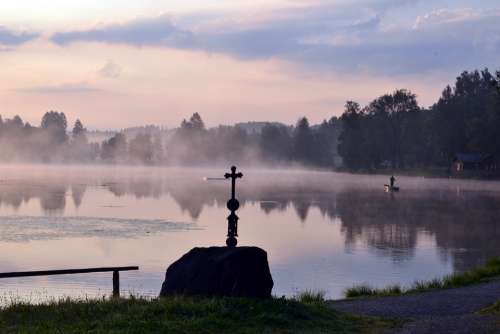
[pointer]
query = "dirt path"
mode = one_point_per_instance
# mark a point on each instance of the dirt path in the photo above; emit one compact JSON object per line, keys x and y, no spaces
{"x":439,"y":311}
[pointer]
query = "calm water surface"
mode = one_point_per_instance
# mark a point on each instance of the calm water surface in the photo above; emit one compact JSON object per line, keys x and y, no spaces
{"x":322,"y":231}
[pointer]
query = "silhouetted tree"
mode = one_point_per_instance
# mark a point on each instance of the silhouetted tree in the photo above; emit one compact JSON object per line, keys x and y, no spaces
{"x":195,"y":123}
{"x":114,"y":149}
{"x":326,"y":142}
{"x":352,"y":142}
{"x":79,"y":149}
{"x":79,"y":132}
{"x":158,"y":150}
{"x":394,"y":129}
{"x":187,"y":144}
{"x":303,"y":142}
{"x":275,"y":143}
{"x":391,"y":132}
{"x":55,"y":124}
{"x":465,"y":117}
{"x":141,"y":148}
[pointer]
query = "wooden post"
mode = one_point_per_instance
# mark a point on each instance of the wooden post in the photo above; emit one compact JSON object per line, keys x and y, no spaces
{"x":116,"y":284}
{"x":115,"y":270}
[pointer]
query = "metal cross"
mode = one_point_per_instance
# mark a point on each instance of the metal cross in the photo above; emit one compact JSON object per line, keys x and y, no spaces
{"x":232,"y":205}
{"x":233,"y":177}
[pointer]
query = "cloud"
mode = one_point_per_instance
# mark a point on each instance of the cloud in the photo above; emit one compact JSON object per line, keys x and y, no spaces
{"x":152,"y":31}
{"x":445,"y":16}
{"x":11,"y":38}
{"x":110,"y":70}
{"x":355,"y":36}
{"x":67,"y":88}
{"x":276,"y":36}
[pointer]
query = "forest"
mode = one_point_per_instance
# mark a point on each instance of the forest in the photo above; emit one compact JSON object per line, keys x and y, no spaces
{"x":192,"y":143}
{"x":392,"y":131}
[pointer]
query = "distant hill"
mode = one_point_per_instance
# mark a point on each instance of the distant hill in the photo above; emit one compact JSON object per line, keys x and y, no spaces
{"x":153,"y":130}
{"x":98,"y":136}
{"x":256,"y":127}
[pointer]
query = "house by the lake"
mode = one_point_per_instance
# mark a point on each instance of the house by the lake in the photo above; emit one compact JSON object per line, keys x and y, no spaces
{"x":474,"y":162}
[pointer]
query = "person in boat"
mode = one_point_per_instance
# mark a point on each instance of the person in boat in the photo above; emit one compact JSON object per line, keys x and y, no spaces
{"x":392,"y":181}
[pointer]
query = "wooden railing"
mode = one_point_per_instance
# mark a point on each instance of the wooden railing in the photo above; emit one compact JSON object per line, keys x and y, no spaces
{"x":115,"y":270}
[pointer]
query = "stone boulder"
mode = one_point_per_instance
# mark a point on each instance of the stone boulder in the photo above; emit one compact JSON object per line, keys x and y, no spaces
{"x":220,"y":271}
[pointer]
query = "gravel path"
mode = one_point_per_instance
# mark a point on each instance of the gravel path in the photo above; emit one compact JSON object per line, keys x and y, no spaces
{"x":440,"y":311}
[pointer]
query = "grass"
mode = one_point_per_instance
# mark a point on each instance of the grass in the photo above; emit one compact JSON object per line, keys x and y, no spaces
{"x":493,"y":309}
{"x":307,"y":313}
{"x":367,"y":291}
{"x":310,"y":296}
{"x":488,"y":271}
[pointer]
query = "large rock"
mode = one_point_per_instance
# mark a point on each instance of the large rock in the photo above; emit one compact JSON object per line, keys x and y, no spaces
{"x":220,"y":271}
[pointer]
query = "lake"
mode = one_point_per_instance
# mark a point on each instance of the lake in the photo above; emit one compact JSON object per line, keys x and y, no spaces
{"x":322,"y":231}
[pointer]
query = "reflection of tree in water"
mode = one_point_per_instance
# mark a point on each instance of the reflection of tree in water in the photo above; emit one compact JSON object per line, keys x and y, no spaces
{"x":469,"y":228}
{"x":301,"y":206}
{"x":77,"y":193}
{"x":464,"y":227}
{"x":116,"y":188}
{"x":145,"y":187}
{"x":269,"y":206}
{"x":190,"y":199}
{"x":374,"y":218}
{"x":14,"y":197}
{"x":53,"y":199}
{"x":463,"y":224}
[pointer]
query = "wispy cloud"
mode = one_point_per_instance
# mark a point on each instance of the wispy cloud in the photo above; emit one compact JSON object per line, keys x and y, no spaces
{"x":356,"y":36}
{"x":152,"y":31}
{"x":66,"y":88}
{"x":12,"y":38}
{"x":446,"y":16}
{"x":110,"y":70}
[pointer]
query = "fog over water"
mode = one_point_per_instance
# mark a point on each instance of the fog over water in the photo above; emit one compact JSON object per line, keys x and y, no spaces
{"x":322,"y":230}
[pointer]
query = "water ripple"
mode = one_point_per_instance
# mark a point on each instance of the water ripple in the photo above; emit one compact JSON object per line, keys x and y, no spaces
{"x":30,"y":228}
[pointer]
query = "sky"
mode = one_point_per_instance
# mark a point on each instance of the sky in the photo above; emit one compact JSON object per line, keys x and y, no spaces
{"x":121,"y":63}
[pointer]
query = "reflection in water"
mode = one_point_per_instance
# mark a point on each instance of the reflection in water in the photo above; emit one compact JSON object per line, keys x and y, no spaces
{"x":77,"y":192}
{"x":388,"y":223}
{"x":391,"y":224}
{"x":459,"y":218}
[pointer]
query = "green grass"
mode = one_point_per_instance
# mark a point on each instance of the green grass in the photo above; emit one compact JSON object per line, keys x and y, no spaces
{"x":493,"y":309}
{"x":307,"y":313}
{"x":310,"y":296}
{"x":367,"y":291}
{"x":489,"y":271}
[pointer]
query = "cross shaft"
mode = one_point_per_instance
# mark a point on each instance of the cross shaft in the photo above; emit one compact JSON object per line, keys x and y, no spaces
{"x":232,"y":205}
{"x":233,"y":175}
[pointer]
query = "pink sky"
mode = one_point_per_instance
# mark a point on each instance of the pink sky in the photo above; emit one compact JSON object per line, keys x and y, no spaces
{"x":158,"y":62}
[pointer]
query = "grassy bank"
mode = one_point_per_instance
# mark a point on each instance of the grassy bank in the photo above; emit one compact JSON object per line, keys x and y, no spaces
{"x":489,"y":271}
{"x":306,"y":314}
{"x":493,"y":309}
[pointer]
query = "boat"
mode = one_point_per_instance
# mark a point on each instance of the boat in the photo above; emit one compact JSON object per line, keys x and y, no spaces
{"x":389,"y":189}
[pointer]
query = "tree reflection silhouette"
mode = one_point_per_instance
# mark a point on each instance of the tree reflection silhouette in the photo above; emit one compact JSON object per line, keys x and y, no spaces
{"x":462,"y":223}
{"x":77,"y":193}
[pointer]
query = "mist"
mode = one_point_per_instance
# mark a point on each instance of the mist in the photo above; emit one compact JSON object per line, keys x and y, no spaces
{"x":191,"y":144}
{"x":391,"y":133}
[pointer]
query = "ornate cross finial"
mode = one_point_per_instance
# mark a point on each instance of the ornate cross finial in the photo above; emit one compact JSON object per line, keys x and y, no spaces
{"x":232,"y":205}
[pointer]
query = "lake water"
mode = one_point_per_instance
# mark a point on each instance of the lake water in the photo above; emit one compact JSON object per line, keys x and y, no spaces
{"x":322,"y":231}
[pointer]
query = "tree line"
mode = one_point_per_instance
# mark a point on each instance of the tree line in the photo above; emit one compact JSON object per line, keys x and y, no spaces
{"x":392,"y":131}
{"x":192,"y":143}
